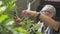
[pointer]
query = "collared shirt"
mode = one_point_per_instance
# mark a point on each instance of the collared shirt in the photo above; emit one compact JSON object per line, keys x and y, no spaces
{"x":48,"y":29}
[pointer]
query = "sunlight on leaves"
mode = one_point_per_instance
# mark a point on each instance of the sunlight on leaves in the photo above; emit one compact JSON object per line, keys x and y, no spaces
{"x":10,"y":22}
{"x":0,"y":3}
{"x":3,"y":8}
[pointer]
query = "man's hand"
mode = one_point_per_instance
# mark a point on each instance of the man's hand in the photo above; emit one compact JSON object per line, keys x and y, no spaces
{"x":17,"y":19}
{"x":27,"y":13}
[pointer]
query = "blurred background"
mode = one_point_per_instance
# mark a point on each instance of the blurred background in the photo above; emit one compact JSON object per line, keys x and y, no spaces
{"x":22,"y":5}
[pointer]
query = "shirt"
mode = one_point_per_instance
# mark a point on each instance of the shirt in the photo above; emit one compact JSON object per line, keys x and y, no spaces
{"x":48,"y":29}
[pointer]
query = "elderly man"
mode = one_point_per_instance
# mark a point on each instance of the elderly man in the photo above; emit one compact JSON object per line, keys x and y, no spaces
{"x":46,"y":15}
{"x":55,"y":3}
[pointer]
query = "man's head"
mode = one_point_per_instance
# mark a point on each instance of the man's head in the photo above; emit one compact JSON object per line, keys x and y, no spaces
{"x":49,"y":10}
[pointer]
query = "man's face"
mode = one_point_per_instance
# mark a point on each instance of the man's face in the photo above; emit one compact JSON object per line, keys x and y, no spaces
{"x":47,"y":13}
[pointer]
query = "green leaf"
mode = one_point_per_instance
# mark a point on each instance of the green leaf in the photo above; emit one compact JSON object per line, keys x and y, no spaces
{"x":3,"y":17}
{"x":21,"y":30}
{"x":38,"y":33}
{"x":37,"y":26}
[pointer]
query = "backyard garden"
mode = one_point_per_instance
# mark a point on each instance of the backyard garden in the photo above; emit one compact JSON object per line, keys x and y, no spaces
{"x":9,"y":24}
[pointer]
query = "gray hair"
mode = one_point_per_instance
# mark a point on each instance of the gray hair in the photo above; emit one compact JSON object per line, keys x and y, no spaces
{"x":49,"y":8}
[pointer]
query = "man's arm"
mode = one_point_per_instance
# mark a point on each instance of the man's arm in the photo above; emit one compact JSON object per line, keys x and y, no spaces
{"x":49,"y":21}
{"x":31,"y":13}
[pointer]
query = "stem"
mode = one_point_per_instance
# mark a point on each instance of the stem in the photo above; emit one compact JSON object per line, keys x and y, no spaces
{"x":16,"y":11}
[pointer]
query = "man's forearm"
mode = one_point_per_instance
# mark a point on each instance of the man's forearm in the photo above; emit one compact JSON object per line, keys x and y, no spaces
{"x":33,"y":13}
{"x":49,"y":21}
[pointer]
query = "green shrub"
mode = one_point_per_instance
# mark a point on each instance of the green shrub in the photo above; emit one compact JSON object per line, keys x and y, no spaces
{"x":7,"y":23}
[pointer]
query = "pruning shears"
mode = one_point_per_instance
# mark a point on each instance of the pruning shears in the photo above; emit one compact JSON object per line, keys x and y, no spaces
{"x":29,"y":3}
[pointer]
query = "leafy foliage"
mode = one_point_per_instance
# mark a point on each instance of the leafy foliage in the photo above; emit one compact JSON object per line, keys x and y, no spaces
{"x":9,"y":26}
